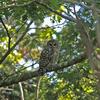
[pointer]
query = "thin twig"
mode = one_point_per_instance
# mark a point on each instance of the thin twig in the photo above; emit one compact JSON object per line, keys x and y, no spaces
{"x":20,"y":27}
{"x":9,"y":38}
{"x":17,"y":42}
{"x":19,"y":71}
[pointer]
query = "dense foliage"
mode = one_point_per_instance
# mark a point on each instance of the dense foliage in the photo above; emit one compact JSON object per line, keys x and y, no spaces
{"x":26,"y":26}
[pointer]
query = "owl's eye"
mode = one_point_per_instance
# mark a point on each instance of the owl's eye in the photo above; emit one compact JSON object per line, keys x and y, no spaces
{"x":54,"y":44}
{"x":50,"y":44}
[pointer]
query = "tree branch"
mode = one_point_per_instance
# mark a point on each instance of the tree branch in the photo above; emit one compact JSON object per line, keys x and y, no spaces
{"x":54,"y":11}
{"x":85,"y":38}
{"x":21,"y":91}
{"x":17,"y":42}
{"x":28,"y":75}
{"x":6,"y":32}
{"x":14,"y":6}
{"x":67,"y":17}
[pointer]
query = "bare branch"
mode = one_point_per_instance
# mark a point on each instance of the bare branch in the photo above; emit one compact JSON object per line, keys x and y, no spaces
{"x":38,"y":87}
{"x":17,"y":42}
{"x":21,"y":91}
{"x":9,"y":38}
{"x":28,"y":75}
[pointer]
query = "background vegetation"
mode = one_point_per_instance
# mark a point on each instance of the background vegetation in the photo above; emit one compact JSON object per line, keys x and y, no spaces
{"x":75,"y":24}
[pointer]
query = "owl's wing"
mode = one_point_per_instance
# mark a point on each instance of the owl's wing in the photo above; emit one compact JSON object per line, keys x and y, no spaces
{"x":44,"y":58}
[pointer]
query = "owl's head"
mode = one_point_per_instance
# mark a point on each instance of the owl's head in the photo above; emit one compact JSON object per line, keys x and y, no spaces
{"x":53,"y":44}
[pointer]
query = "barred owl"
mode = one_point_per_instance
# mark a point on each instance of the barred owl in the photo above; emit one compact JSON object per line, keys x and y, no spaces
{"x":49,"y":55}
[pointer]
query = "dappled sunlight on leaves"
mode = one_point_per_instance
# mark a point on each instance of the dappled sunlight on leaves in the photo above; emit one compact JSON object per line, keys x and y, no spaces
{"x":25,"y":28}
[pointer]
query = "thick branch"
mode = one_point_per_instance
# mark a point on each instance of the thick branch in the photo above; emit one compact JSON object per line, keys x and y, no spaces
{"x":17,"y":42}
{"x":28,"y":75}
